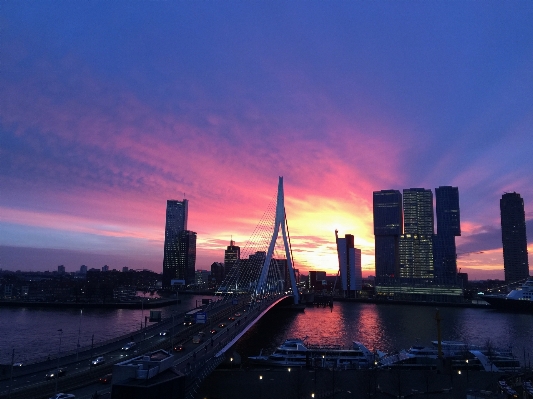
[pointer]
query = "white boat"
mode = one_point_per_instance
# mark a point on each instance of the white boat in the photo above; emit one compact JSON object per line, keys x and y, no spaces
{"x":457,"y":355}
{"x":520,"y":299}
{"x":295,"y":353}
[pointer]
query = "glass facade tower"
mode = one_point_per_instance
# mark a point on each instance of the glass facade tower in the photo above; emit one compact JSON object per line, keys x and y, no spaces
{"x":448,"y":227}
{"x":514,"y":239}
{"x":416,"y":244}
{"x":176,"y":224}
{"x":388,"y":227}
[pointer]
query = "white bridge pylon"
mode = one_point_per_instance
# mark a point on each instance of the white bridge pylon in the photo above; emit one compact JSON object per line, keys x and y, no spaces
{"x":280,"y":222}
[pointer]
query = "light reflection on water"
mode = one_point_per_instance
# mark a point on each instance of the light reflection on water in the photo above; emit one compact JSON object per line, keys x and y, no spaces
{"x":390,"y":327}
{"x":33,"y":332}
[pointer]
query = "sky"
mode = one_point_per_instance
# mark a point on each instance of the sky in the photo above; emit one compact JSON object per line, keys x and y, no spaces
{"x":108,"y":109}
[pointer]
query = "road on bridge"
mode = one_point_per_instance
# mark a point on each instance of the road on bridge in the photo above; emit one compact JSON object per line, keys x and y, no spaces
{"x":29,"y":381}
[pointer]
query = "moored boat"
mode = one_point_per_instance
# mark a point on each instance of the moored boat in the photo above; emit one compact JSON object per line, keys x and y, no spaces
{"x":520,"y":300}
{"x":295,"y":352}
{"x":455,"y":355}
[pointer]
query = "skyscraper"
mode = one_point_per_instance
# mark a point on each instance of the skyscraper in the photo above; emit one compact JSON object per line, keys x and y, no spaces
{"x":349,"y":265}
{"x":418,"y":211}
{"x":448,"y":227}
{"x":514,"y":239}
{"x":186,"y":264}
{"x":176,"y":223}
{"x":232,"y":255}
{"x":388,"y":226}
{"x":416,"y":244}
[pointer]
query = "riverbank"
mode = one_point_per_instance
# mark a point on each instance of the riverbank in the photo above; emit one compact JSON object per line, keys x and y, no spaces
{"x":482,"y":305}
{"x":139,"y":304}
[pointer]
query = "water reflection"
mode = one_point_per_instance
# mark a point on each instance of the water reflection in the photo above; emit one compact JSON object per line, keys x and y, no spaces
{"x":390,"y":327}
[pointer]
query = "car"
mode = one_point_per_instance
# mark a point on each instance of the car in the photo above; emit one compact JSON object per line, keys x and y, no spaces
{"x":63,"y":396}
{"x":99,"y":360}
{"x":198,"y":338}
{"x":129,"y":346}
{"x":231,"y":318}
{"x":213,"y":331}
{"x":222,"y":325}
{"x":237,"y":314}
{"x":178,"y":348}
{"x":55,"y":373}
{"x":106,"y":379}
{"x":19,"y":364}
{"x":166,"y":332}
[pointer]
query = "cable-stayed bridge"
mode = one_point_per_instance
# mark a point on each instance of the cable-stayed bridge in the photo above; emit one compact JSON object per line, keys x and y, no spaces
{"x":264,"y":271}
{"x":262,"y":279}
{"x":266,"y":278}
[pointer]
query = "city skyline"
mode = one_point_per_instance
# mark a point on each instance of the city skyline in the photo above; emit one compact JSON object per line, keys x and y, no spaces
{"x":110,"y":109}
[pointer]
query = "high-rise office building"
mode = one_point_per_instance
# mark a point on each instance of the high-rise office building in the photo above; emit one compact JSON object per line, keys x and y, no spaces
{"x":186,"y":264}
{"x":315,"y":279}
{"x":514,"y":238}
{"x":202,"y":278}
{"x":416,"y":243}
{"x":388,"y":227}
{"x":176,"y":223}
{"x":448,"y":227}
{"x":418,"y":211}
{"x":217,"y":272}
{"x":232,"y":255}
{"x":349,"y":265}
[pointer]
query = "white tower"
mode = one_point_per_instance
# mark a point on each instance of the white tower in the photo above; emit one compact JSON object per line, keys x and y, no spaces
{"x":280,"y":222}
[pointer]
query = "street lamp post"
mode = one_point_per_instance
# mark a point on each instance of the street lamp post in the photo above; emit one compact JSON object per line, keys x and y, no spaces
{"x":58,"y":356}
{"x":92,"y":345}
{"x":467,"y":382}
{"x":79,"y":333}
{"x":11,"y":378}
{"x":142,"y":312}
{"x":172,"y":335}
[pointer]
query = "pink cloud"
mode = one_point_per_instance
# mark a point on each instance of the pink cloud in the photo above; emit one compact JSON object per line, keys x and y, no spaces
{"x":226,"y":160}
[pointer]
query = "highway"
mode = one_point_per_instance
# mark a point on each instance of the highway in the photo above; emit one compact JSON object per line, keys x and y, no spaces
{"x":81,"y":379}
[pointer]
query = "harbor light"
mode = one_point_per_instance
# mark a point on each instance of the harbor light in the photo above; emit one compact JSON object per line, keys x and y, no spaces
{"x":260,"y":377}
{"x":459,"y":372}
{"x":289,"y":369}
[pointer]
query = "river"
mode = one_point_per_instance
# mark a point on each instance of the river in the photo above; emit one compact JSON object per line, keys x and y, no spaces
{"x":33,"y":332}
{"x":391,"y":327}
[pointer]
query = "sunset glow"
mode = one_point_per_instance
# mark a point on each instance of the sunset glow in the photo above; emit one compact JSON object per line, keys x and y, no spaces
{"x":102,"y":121}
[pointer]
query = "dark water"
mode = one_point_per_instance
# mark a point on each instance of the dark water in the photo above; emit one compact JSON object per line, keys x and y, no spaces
{"x":33,"y":332}
{"x":390,"y":327}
